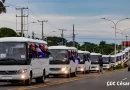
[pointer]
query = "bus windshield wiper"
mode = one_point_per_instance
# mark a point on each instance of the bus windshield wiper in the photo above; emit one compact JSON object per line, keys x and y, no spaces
{"x":9,"y":59}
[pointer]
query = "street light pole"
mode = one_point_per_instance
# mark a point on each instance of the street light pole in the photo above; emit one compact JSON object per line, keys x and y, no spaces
{"x":115,"y":25}
{"x":122,"y":33}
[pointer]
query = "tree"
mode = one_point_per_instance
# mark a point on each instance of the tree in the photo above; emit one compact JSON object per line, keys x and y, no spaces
{"x":19,"y":34}
{"x":71,"y":43}
{"x":2,"y":7}
{"x":89,"y":46}
{"x":7,"y":32}
{"x":53,"y":41}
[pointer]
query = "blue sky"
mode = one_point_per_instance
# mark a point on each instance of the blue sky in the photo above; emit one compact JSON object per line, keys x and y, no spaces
{"x":85,"y":14}
{"x":77,"y":7}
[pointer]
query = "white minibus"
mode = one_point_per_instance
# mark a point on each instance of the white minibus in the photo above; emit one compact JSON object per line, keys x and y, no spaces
{"x":23,"y":59}
{"x":63,"y":61}
{"x":95,"y":61}
{"x":84,"y":62}
{"x":106,"y":62}
{"x":113,"y":61}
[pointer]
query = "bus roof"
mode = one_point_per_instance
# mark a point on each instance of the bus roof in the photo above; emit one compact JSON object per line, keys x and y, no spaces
{"x":80,"y":51}
{"x":96,"y":54}
{"x":105,"y":55}
{"x":20,"y":39}
{"x":57,"y":47}
{"x":62,"y":47}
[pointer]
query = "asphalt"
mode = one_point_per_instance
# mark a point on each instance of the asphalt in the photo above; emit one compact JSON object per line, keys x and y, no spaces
{"x":85,"y":82}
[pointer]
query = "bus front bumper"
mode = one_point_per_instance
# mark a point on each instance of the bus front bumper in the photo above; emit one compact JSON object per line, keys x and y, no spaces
{"x":19,"y":77}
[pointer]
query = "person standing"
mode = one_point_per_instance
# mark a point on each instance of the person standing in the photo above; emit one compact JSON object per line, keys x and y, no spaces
{"x":101,"y":64}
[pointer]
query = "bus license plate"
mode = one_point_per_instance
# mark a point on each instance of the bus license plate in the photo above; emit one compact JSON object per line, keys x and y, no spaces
{"x":6,"y":77}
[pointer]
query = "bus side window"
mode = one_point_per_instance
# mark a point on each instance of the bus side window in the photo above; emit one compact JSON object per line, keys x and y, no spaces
{"x":69,"y":55}
{"x":84,"y":57}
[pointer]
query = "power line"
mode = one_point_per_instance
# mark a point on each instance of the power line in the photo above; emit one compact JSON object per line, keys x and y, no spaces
{"x":62,"y":35}
{"x":22,"y":19}
{"x":42,"y":21}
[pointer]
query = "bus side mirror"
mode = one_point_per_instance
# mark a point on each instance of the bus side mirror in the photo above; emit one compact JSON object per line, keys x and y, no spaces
{"x":30,"y":55}
{"x":50,"y":58}
{"x":49,"y":53}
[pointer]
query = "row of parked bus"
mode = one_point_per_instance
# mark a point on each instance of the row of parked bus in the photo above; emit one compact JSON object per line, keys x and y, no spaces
{"x":69,"y":60}
{"x":24,"y":59}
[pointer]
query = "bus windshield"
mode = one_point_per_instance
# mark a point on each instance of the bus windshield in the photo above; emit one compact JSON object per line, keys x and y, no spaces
{"x":106,"y":60}
{"x":12,"y":53}
{"x":94,"y":59}
{"x":112,"y":59}
{"x":80,"y":56}
{"x":58,"y":54}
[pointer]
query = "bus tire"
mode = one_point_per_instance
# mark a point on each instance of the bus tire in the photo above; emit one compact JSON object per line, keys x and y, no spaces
{"x":74,"y":74}
{"x":28,"y":81}
{"x":69,"y":74}
{"x":41,"y":79}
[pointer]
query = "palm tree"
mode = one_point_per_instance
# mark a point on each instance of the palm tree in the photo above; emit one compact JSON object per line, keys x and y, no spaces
{"x":2,"y":6}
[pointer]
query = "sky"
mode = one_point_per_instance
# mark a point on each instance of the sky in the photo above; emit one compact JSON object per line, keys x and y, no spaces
{"x":62,"y":14}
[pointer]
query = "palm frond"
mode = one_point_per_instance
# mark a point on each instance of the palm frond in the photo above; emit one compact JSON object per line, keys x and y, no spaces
{"x":4,"y":10}
{"x":2,"y":7}
{"x":3,"y":1}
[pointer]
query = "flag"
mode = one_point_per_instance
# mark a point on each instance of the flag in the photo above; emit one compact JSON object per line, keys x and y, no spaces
{"x":73,"y":59}
{"x":42,"y":47}
{"x":34,"y":52}
{"x":40,"y":53}
{"x":88,"y":59}
{"x":78,"y":60}
{"x":32,"y":47}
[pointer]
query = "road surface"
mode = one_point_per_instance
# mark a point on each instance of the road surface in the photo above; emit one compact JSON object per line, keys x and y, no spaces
{"x":81,"y":82}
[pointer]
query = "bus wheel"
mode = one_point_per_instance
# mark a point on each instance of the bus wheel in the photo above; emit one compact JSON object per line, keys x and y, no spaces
{"x":41,"y":79}
{"x":74,"y":74}
{"x":28,"y":81}
{"x":69,"y":74}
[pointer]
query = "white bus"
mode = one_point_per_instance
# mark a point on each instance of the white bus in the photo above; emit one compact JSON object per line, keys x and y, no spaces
{"x":113,"y":61}
{"x":120,"y":58}
{"x":106,"y":61}
{"x":95,"y":61}
{"x":126,"y":55}
{"x":84,"y":61}
{"x":63,"y":61}
{"x":23,"y":59}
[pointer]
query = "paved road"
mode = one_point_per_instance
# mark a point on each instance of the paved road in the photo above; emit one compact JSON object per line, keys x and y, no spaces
{"x":84,"y":82}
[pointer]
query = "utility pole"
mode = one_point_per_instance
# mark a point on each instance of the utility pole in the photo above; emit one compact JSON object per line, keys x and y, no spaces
{"x":73,"y":37}
{"x":33,"y":35}
{"x":62,"y":35}
{"x":42,"y":27}
{"x":21,"y":19}
{"x":126,"y":37}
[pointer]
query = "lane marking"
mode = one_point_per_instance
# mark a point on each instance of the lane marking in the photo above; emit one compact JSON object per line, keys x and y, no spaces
{"x":60,"y":81}
{"x":52,"y":83}
{"x":124,"y":79}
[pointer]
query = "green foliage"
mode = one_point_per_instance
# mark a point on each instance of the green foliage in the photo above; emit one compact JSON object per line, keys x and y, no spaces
{"x":102,"y":48}
{"x":71,"y":44}
{"x":53,"y":41}
{"x":89,"y":46}
{"x":7,"y":32}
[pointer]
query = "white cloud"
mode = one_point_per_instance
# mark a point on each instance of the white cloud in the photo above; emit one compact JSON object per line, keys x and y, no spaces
{"x":84,"y":25}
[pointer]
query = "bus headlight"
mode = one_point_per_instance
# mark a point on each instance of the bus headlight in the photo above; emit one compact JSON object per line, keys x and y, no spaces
{"x":82,"y":69}
{"x":63,"y":69}
{"x":97,"y":68}
{"x":22,"y":71}
{"x":22,"y":76}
